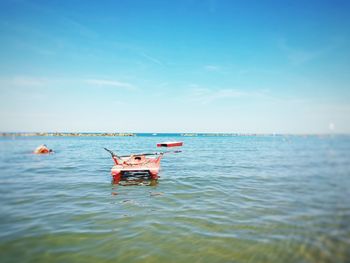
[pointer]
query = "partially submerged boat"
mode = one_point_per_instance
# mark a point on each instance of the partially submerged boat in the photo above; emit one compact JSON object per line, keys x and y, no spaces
{"x":138,"y":166}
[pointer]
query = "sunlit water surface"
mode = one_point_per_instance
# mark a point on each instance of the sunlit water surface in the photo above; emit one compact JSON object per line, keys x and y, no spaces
{"x":223,"y":199}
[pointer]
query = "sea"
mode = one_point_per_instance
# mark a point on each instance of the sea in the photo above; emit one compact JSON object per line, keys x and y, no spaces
{"x":271,"y":198}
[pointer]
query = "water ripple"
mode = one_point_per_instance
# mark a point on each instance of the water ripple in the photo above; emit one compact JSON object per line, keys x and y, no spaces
{"x":236,"y":199}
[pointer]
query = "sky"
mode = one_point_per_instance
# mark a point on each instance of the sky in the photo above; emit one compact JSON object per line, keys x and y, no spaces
{"x":175,"y":66}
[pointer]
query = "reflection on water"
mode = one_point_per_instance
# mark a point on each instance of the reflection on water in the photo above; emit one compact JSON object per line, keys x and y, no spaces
{"x":235,"y":199}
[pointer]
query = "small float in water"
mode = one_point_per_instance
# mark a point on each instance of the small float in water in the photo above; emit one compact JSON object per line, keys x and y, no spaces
{"x":138,"y":166}
{"x":42,"y":149}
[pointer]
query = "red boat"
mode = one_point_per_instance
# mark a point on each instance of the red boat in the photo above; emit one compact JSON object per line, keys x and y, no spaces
{"x":140,"y":166}
{"x":169,"y":144}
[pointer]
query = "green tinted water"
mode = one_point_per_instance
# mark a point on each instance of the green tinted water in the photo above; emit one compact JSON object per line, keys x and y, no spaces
{"x":225,"y":199}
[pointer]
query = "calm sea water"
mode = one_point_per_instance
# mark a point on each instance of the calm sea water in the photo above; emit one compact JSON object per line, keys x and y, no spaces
{"x":223,"y":199}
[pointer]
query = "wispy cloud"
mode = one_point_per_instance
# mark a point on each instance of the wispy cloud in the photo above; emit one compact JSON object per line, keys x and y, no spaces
{"x":205,"y":96}
{"x":23,"y":81}
{"x":299,"y":56}
{"x":29,"y":81}
{"x":152,"y":59}
{"x":212,"y":68}
{"x":78,"y":27}
{"x":110,"y":83}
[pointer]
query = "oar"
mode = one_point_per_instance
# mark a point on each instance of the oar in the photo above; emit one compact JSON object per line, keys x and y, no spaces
{"x":155,"y":153}
{"x":113,"y":154}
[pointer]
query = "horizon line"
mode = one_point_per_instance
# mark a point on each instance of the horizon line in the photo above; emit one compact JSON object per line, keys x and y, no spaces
{"x":184,"y":134}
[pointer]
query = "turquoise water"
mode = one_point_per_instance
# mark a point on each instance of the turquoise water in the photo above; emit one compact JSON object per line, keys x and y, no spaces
{"x":223,"y":199}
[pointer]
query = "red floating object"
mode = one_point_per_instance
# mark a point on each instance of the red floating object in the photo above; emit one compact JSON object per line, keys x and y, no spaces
{"x":42,"y":149}
{"x":135,"y":165}
{"x":169,"y":144}
{"x":142,"y":165}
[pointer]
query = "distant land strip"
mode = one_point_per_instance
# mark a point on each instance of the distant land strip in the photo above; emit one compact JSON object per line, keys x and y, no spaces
{"x":105,"y":134}
{"x":65,"y":134}
{"x":119,"y":134}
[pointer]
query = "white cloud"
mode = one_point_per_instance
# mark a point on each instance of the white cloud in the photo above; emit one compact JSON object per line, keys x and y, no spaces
{"x":23,"y":81}
{"x":78,"y":27}
{"x":152,"y":59}
{"x":205,"y":96}
{"x":212,"y":68}
{"x":28,"y":81}
{"x":110,"y":83}
{"x":300,"y":56}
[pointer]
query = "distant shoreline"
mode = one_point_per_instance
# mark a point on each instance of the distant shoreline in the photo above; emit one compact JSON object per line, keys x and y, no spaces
{"x":107,"y":134}
{"x":65,"y":134}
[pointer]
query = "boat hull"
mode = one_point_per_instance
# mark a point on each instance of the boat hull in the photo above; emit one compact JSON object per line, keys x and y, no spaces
{"x":136,"y":167}
{"x":169,"y":144}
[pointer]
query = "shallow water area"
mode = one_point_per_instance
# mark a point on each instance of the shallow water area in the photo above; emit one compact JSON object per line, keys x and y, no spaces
{"x":223,"y":199}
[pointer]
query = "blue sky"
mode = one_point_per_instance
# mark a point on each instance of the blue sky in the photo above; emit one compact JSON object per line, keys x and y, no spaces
{"x":175,"y":66}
